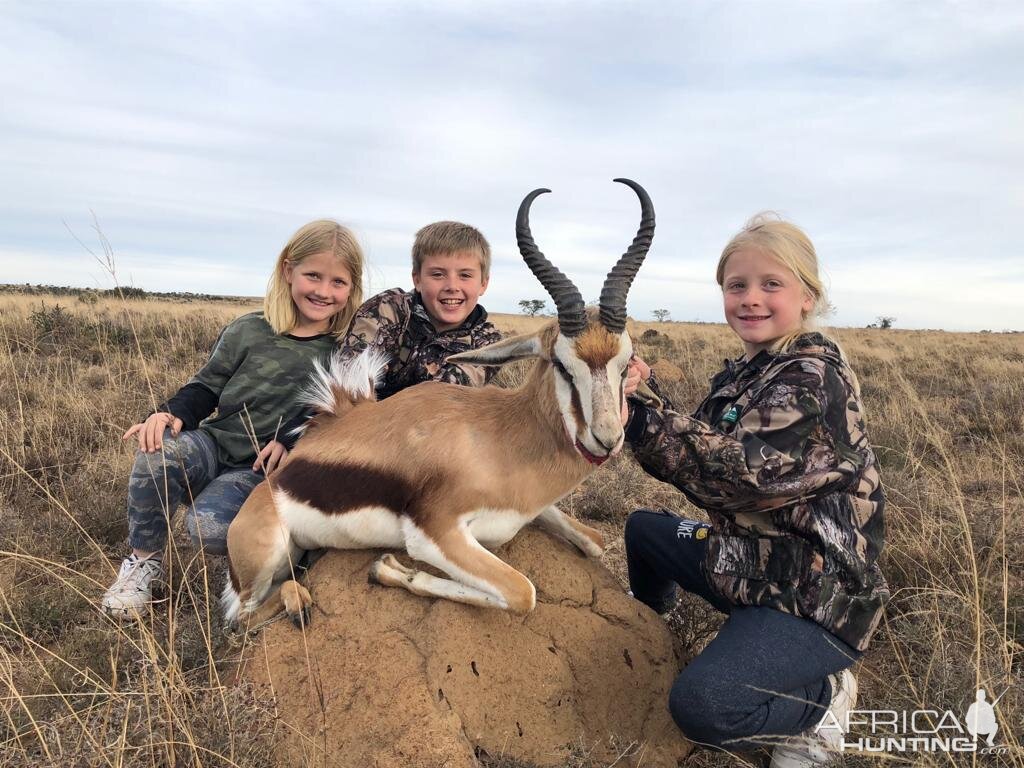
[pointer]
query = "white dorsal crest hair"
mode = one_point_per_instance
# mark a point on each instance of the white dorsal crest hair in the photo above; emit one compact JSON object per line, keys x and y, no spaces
{"x":444,"y":471}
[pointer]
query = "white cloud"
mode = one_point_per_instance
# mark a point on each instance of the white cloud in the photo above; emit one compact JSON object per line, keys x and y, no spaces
{"x":203,"y":135}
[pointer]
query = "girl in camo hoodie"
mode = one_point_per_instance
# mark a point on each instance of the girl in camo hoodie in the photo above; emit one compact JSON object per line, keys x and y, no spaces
{"x":777,"y":455}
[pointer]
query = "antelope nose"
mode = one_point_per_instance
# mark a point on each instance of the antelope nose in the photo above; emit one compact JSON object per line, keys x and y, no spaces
{"x":602,"y":443}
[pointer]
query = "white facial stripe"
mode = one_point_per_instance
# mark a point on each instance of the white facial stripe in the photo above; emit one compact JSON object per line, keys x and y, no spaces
{"x":618,"y":364}
{"x":563,"y":394}
{"x":602,"y":402}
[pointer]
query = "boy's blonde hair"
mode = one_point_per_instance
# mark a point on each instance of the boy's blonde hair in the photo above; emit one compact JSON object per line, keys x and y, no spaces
{"x":315,"y":237}
{"x":771,"y":234}
{"x":443,"y":237}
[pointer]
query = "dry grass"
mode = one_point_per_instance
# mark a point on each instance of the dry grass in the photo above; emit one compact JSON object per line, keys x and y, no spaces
{"x":946,"y":413}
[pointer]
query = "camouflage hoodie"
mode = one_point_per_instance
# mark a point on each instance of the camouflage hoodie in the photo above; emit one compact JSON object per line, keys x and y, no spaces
{"x":396,"y":322}
{"x":778,"y":455}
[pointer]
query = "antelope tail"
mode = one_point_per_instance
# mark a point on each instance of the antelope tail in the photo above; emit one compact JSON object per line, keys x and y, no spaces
{"x":342,"y":384}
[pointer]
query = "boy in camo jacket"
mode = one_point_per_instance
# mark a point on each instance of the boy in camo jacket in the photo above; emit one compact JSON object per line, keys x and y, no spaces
{"x":418,"y":329}
{"x":778,"y":456}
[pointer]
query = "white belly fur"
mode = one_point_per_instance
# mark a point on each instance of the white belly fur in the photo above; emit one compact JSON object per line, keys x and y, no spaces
{"x":366,"y":528}
{"x":493,"y":527}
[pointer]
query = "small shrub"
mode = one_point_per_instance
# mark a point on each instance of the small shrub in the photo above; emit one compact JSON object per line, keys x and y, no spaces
{"x":55,"y":323}
{"x":129,"y":292}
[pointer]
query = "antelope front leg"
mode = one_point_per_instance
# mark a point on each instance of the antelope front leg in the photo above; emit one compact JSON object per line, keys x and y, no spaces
{"x":389,"y":572}
{"x":477,"y":576}
{"x":587,"y":539}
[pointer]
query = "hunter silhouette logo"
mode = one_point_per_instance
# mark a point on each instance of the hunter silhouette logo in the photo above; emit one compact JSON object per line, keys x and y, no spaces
{"x":920,"y":730}
{"x":981,"y":717}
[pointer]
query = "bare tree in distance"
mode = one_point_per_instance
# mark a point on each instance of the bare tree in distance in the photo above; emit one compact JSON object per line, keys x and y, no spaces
{"x":531,"y":306}
{"x":661,"y":315}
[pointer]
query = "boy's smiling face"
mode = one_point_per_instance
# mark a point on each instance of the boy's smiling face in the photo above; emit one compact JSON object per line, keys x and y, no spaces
{"x":450,"y":285}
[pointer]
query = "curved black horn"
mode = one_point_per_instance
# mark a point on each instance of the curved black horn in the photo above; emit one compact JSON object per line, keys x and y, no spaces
{"x":572,"y":318}
{"x":616,"y":285}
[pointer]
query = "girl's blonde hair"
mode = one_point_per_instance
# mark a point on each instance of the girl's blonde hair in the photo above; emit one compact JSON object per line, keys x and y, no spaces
{"x":772,"y":235}
{"x":315,"y":237}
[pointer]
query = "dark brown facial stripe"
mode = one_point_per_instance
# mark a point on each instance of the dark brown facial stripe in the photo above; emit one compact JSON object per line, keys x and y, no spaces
{"x":577,"y":407}
{"x":337,"y":488}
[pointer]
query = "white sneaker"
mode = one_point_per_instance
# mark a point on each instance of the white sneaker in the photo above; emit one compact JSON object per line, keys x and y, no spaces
{"x":823,"y":742}
{"x":132,"y":591}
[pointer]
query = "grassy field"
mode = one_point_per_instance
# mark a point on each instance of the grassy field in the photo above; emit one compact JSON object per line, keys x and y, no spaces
{"x":945,"y":413}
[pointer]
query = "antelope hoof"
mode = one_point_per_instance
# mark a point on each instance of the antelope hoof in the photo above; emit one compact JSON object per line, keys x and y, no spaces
{"x":301,"y":619}
{"x":593,"y":542}
{"x":380,"y":572}
{"x":393,"y":562}
{"x":389,"y":572}
{"x":297,"y":603}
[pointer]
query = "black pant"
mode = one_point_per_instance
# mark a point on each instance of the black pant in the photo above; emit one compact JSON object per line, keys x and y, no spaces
{"x":763,"y":676}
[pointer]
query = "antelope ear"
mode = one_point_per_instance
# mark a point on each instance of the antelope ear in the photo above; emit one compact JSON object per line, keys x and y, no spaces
{"x":501,"y":352}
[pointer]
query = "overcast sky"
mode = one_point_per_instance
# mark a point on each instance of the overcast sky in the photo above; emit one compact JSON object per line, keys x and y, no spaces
{"x":202,"y":134}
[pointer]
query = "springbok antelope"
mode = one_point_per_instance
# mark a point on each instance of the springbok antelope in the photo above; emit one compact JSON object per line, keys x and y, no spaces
{"x":445,"y":471}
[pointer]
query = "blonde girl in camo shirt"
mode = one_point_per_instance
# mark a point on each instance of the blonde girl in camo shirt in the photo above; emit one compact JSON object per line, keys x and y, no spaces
{"x":255,"y":370}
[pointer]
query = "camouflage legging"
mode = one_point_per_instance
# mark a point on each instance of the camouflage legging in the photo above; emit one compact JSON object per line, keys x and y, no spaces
{"x":186,"y":472}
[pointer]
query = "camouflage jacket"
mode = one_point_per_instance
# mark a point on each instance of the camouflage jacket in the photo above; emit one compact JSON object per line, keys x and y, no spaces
{"x":396,"y":322}
{"x":778,"y":455}
{"x":251,"y":379}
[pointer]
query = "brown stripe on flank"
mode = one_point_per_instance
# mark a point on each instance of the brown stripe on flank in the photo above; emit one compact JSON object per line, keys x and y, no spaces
{"x":336,"y":488}
{"x":596,"y":346}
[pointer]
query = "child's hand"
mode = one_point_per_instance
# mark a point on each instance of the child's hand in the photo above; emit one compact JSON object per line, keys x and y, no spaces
{"x":638,"y":371}
{"x":270,"y":458}
{"x":151,"y":431}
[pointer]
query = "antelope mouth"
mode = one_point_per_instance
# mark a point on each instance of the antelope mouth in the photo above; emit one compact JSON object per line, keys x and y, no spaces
{"x":597,"y":461}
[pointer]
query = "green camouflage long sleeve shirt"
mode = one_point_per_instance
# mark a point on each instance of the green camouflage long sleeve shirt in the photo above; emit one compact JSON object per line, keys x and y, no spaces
{"x":397,"y":323}
{"x":778,"y":455}
{"x":252,"y":379}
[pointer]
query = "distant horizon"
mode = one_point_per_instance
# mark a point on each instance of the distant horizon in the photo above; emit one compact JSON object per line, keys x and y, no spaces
{"x":546,"y":314}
